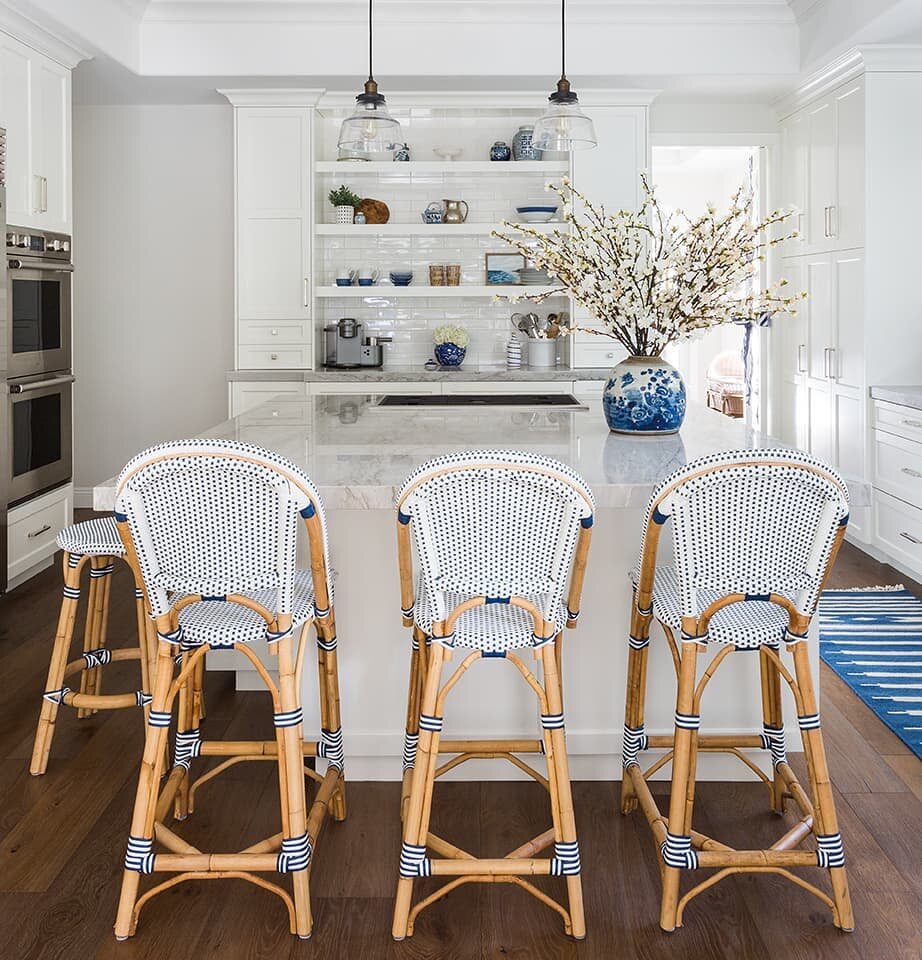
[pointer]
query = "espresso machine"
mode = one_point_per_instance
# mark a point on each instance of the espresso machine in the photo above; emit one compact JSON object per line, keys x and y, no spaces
{"x":347,"y":347}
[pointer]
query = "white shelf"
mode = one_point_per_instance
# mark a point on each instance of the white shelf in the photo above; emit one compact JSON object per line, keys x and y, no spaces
{"x":347,"y":168}
{"x":388,"y":291}
{"x":422,"y":229}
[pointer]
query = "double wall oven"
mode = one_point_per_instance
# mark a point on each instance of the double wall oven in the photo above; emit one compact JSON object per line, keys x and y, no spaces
{"x":35,"y":364}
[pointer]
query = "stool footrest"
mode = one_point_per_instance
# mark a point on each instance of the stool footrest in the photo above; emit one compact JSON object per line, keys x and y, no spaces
{"x":127,"y":653}
{"x":490,"y":746}
{"x":540,"y":867}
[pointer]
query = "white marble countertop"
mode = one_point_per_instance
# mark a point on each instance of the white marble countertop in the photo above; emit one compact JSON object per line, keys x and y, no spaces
{"x":359,"y":454}
{"x":411,"y":372}
{"x":905,"y":396}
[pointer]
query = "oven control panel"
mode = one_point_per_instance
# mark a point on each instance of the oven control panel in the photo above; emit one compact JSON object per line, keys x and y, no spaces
{"x":25,"y":242}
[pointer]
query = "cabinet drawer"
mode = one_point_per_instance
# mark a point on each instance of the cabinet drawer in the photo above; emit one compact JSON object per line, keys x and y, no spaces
{"x":898,"y":467}
{"x":247,"y":395}
{"x":374,"y":387}
{"x":507,"y":386}
{"x":590,"y":351}
{"x":284,"y":357}
{"x":267,"y":334}
{"x":283,"y":411}
{"x":32,"y":528}
{"x":893,"y":418}
{"x":899,"y":530}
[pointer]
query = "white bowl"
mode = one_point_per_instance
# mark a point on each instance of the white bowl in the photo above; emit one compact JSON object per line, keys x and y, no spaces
{"x":448,"y":153}
{"x":537,"y":216}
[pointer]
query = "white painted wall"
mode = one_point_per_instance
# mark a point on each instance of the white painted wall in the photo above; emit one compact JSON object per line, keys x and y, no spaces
{"x":153,"y":287}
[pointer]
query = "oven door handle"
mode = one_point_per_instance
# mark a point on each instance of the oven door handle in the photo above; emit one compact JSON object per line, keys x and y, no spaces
{"x":41,"y":384}
{"x":62,"y":267}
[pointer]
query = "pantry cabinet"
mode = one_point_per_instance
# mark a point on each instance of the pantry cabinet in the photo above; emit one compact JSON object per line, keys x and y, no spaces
{"x":35,"y":109}
{"x":274,"y":226}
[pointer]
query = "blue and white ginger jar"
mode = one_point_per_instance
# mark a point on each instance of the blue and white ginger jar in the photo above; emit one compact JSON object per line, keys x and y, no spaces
{"x":644,"y":396}
{"x":449,"y":354}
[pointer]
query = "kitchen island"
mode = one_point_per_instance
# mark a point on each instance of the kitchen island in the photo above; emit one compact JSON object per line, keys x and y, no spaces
{"x":359,"y":453}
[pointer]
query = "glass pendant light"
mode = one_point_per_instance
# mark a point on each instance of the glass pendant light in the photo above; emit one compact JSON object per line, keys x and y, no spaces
{"x":564,"y":126}
{"x":370,"y":128}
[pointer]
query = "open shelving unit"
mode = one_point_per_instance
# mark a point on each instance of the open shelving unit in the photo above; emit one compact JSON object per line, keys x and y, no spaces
{"x":389,"y":292}
{"x":444,"y":231}
{"x":381,"y":168}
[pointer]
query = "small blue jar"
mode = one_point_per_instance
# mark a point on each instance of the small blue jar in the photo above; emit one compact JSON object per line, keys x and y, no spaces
{"x":449,"y":354}
{"x":523,"y":147}
{"x":500,"y":151}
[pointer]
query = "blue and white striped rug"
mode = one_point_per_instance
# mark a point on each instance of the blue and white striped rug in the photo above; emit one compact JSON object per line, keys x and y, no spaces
{"x":873,"y":640}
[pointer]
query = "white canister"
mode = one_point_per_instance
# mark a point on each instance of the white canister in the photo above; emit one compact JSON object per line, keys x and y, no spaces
{"x":542,"y":353}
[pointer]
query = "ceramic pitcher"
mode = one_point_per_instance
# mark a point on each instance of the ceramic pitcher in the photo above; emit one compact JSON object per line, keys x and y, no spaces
{"x":453,"y":212}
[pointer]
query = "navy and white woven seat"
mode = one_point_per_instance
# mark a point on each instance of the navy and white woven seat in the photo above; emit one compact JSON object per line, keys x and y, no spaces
{"x":220,"y":624}
{"x":96,"y":537}
{"x":93,"y":544}
{"x":213,"y":527}
{"x":493,"y":628}
{"x":501,"y":539}
{"x":746,"y":625}
{"x":754,"y":535}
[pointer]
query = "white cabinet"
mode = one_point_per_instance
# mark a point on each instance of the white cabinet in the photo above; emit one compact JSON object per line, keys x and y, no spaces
{"x":273,"y":172}
{"x":823,"y":170}
{"x":610,"y":176}
{"x":792,"y":335}
{"x":35,"y":109}
{"x":32,"y":529}
{"x":245,"y":395}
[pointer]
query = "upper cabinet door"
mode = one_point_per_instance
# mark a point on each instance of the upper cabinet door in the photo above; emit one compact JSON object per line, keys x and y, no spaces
{"x":273,"y":213}
{"x":35,"y":109}
{"x":51,"y":143}
{"x":795,"y":140}
{"x":848,"y":217}
{"x":821,"y":180}
{"x":15,"y":116}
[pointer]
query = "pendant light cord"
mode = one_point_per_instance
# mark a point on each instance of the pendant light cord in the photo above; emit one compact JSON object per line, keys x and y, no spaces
{"x":371,"y":75}
{"x":563,"y":38}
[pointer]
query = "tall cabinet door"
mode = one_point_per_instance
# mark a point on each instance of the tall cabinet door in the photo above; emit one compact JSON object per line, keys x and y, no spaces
{"x":847,"y":222}
{"x":792,"y":357}
{"x":51,"y":143}
{"x":818,"y":283}
{"x":273,"y":213}
{"x":15,"y":116}
{"x":795,"y":143}
{"x":821,"y":186}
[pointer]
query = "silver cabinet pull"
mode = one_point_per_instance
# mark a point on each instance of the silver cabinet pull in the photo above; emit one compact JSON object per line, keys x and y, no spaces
{"x":801,"y":352}
{"x":913,"y":423}
{"x":832,"y":374}
{"x":274,"y":332}
{"x":910,"y":472}
{"x":273,"y":356}
{"x":44,"y":194}
{"x":39,"y":532}
{"x":36,"y":193}
{"x":910,"y":538}
{"x":826,"y":363}
{"x":307,"y":302}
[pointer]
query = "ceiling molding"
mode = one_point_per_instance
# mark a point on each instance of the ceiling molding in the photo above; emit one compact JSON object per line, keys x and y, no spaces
{"x":136,"y":8}
{"x":273,"y":97}
{"x":866,"y":58}
{"x":472,"y":11}
{"x":802,"y":8}
{"x":35,"y":35}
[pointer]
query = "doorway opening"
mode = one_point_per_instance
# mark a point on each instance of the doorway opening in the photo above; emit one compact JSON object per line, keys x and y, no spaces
{"x":721,"y":368}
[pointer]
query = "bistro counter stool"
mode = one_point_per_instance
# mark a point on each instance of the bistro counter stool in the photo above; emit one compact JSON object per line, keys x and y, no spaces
{"x":210,"y":528}
{"x":95,"y":543}
{"x":755,"y":533}
{"x":497,"y":534}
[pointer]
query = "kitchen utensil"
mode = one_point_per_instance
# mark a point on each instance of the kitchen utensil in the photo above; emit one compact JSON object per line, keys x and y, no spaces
{"x":541,"y":325}
{"x":448,"y":153}
{"x":436,"y":275}
{"x":453,"y":212}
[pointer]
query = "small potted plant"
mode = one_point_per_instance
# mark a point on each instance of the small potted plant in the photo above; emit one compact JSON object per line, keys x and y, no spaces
{"x":451,"y":345}
{"x":344,"y":201}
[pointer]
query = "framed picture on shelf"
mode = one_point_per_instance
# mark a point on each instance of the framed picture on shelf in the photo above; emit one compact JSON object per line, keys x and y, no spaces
{"x":503,"y":268}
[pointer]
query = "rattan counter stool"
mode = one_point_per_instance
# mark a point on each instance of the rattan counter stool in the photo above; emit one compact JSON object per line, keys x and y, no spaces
{"x":497,"y":535}
{"x":92,"y":544}
{"x":211,"y":529}
{"x":755,"y":533}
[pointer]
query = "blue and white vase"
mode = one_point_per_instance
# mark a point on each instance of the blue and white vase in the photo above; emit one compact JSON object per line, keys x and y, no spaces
{"x":449,"y":354}
{"x":500,"y":151}
{"x":644,"y":396}
{"x":523,"y":147}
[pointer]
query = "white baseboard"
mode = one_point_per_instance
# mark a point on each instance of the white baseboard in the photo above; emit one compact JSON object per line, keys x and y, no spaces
{"x":83,"y":497}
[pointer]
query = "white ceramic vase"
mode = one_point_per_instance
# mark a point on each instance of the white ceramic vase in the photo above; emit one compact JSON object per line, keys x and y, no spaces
{"x":345,"y":213}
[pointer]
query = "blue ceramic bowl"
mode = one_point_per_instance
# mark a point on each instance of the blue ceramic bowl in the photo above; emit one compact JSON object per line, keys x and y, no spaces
{"x":400,"y":279}
{"x":535,"y":209}
{"x":343,"y":282}
{"x":366,"y":282}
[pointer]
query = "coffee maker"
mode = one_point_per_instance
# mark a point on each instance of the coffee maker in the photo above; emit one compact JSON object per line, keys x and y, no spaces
{"x":346,"y":348}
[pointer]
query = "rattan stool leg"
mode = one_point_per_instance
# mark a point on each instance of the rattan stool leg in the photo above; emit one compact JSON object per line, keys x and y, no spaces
{"x":416,"y":823}
{"x":94,"y":630}
{"x":772,"y":720}
{"x":291,"y":780}
{"x":411,"y":731}
{"x":562,"y":796}
{"x":186,"y":723}
{"x":682,"y":778}
{"x":636,"y":696}
{"x":145,"y":804}
{"x":825,"y":822}
{"x":54,"y":688}
{"x":331,"y":718}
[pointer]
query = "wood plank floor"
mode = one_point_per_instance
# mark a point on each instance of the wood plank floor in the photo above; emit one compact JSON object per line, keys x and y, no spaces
{"x":62,"y":838}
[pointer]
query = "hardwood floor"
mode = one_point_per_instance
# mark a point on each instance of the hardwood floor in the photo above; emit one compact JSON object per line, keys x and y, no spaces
{"x":62,"y":838}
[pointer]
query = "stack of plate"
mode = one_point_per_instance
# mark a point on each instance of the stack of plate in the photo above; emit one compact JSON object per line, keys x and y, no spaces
{"x":529,"y":276}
